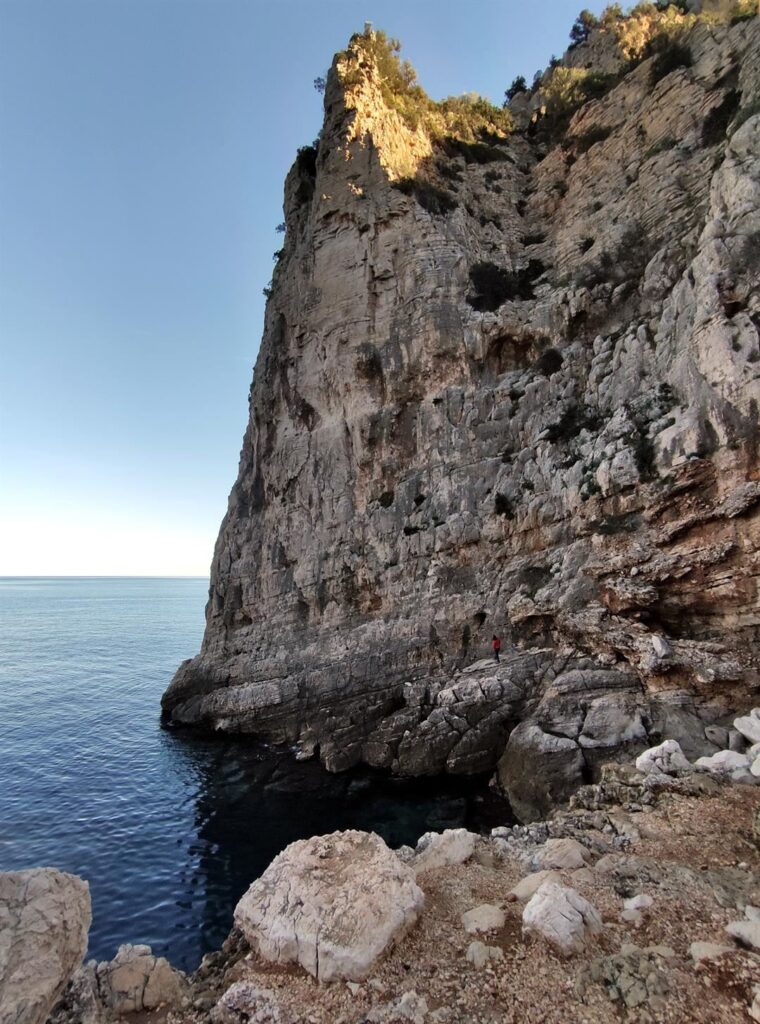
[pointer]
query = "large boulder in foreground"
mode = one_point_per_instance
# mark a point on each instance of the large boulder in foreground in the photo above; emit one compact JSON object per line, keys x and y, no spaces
{"x":45,"y":916}
{"x":332,"y":904}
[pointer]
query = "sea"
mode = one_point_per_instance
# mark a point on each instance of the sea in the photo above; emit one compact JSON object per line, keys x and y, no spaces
{"x":169,"y":828}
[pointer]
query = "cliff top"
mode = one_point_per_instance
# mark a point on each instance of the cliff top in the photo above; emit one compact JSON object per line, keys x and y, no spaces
{"x":601,"y":52}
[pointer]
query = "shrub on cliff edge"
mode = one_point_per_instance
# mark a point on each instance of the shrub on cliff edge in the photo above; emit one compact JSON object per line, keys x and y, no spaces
{"x":468,"y":117}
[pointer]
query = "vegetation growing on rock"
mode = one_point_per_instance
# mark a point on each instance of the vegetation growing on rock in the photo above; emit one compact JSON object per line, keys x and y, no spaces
{"x":470,"y":118}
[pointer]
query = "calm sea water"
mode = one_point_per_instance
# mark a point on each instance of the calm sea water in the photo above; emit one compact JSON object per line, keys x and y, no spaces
{"x":168,"y":828}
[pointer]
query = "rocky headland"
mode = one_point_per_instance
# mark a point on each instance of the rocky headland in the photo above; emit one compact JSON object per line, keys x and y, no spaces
{"x":508,"y":385}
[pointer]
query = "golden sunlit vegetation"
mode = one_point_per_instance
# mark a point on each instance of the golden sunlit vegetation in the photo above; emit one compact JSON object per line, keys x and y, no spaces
{"x":646,"y":30}
{"x":470,"y":118}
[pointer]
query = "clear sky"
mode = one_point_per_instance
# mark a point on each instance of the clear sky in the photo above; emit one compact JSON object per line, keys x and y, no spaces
{"x":143,"y":148}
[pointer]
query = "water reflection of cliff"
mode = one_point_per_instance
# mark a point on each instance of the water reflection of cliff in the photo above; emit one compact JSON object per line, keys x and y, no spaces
{"x":251,"y":802}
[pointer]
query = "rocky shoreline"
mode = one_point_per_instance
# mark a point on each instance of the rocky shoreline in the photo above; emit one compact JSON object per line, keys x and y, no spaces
{"x":641,"y":896}
{"x":507,"y":384}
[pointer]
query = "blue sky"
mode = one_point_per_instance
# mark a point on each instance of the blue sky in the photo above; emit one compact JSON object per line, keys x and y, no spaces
{"x":143,"y":147}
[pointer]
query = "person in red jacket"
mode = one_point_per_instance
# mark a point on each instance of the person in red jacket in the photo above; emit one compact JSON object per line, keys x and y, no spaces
{"x":496,"y":644}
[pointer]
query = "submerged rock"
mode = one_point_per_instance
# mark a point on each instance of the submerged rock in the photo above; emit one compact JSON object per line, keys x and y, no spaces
{"x":44,"y":920}
{"x":332,"y":904}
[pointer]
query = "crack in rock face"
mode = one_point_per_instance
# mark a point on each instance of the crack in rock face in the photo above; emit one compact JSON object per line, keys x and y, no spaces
{"x":508,"y":391}
{"x":562,"y":917}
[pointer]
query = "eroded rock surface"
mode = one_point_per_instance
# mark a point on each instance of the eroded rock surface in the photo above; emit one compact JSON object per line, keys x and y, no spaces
{"x":136,"y":980}
{"x":562,"y":917}
{"x":332,"y":904}
{"x":44,"y":920}
{"x":571,"y":463}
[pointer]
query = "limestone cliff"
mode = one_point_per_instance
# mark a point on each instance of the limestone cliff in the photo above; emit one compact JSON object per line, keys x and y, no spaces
{"x":508,"y":383}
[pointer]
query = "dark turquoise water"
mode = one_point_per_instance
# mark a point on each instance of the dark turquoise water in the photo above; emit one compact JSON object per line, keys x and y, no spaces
{"x":168,"y":828}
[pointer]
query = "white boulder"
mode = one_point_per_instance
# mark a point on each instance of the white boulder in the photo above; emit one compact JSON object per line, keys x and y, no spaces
{"x":746,"y":932}
{"x":640,"y":902}
{"x":562,"y":917}
{"x":444,"y":849}
{"x":44,"y":920}
{"x":699,"y":951}
{"x":485,"y":918}
{"x":749,"y":725}
{"x":666,"y":757}
{"x":527,"y":886}
{"x":332,"y":904}
{"x":478,"y":954}
{"x":561,"y":853}
{"x":725,"y":762}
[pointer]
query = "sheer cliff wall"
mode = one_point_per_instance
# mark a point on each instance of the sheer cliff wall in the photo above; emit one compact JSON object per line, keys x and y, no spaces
{"x":516,"y":395}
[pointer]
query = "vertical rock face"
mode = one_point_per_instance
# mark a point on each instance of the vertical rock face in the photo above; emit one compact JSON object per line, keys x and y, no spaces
{"x":516,"y":395}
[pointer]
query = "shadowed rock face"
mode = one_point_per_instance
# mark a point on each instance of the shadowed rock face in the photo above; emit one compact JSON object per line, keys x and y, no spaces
{"x":571,"y":465}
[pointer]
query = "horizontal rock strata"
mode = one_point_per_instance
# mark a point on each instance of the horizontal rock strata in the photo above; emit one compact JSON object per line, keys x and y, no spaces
{"x":528,"y":408}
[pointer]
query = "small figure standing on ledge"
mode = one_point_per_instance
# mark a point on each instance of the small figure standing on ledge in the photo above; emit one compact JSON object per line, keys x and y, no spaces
{"x":496,"y":644}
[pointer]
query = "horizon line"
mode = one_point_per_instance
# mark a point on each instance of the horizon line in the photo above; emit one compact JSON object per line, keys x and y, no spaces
{"x":101,"y":576}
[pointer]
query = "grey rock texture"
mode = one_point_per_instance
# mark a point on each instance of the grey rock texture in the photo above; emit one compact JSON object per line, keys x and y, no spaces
{"x":573,"y":467}
{"x":243,"y":1003}
{"x":44,"y":920}
{"x":634,"y":977}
